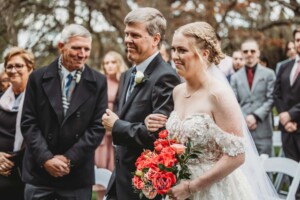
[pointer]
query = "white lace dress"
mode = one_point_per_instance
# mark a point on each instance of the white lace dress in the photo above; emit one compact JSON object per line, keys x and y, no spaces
{"x":207,"y":137}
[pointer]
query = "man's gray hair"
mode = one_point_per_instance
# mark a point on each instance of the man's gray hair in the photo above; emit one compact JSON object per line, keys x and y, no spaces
{"x":74,"y":30}
{"x":154,"y":20}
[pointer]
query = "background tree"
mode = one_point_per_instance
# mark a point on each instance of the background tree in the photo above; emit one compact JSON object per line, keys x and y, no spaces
{"x":36,"y":24}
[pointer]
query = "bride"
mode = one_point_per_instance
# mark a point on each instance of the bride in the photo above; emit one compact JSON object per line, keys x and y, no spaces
{"x":206,"y":111}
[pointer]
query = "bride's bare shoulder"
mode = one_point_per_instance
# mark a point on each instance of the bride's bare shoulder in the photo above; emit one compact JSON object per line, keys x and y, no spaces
{"x":178,"y":89}
{"x":221,"y":91}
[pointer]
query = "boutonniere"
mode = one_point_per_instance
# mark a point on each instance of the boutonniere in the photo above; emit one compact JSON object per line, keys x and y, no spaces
{"x":78,"y":77}
{"x":140,"y":78}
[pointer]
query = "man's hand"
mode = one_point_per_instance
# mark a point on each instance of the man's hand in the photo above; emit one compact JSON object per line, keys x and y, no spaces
{"x":284,"y":118}
{"x":108,"y":119}
{"x":64,"y":159}
{"x":56,"y":167}
{"x":5,"y":164}
{"x":290,"y":127}
{"x":251,"y":122}
{"x":154,"y":122}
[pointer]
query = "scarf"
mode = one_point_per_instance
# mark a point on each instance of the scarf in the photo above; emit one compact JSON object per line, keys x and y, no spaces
{"x":10,"y":103}
{"x":76,"y":79}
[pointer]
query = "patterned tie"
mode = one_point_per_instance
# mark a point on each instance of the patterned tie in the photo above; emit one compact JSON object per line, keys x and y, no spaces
{"x":65,"y":99}
{"x":131,"y":83}
{"x":68,"y":83}
{"x":250,"y":76}
{"x":296,"y":73}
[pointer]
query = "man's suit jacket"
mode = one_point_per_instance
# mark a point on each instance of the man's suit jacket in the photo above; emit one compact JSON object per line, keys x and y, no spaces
{"x":287,"y":97}
{"x":129,"y":132}
{"x":47,"y":132}
{"x":258,"y":100}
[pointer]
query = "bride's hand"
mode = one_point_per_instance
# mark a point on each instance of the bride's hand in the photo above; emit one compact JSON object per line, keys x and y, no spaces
{"x":154,"y":122}
{"x":180,"y":191}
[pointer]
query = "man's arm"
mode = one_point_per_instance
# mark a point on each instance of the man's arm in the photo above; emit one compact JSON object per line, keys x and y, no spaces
{"x":127,"y":133}
{"x":263,"y":111}
{"x":32,"y":134}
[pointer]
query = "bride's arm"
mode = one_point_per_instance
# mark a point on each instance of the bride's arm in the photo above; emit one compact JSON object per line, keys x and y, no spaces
{"x":228,"y":117}
{"x":156,"y":121}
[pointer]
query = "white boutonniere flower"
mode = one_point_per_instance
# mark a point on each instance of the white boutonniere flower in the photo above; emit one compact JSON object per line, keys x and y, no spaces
{"x":78,"y":77}
{"x":139,"y":78}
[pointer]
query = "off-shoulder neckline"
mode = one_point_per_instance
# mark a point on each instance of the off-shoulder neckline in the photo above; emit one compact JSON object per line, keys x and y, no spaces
{"x":191,"y":115}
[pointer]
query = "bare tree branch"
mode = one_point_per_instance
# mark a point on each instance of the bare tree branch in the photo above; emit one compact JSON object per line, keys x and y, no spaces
{"x":278,"y":23}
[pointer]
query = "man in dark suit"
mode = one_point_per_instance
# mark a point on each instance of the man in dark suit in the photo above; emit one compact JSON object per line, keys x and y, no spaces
{"x":61,"y":122}
{"x":287,"y":102}
{"x":150,"y":92}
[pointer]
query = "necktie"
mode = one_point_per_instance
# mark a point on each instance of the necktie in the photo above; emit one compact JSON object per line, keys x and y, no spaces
{"x":131,"y":83}
{"x":250,"y":76}
{"x":296,"y":73}
{"x":69,"y":79}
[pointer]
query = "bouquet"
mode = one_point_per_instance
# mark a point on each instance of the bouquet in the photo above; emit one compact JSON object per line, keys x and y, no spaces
{"x":159,"y":170}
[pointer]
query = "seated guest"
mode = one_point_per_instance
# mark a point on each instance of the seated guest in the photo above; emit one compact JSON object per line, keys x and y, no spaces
{"x":18,"y":64}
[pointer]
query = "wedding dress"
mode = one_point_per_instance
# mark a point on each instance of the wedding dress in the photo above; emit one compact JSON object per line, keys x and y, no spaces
{"x":213,"y":142}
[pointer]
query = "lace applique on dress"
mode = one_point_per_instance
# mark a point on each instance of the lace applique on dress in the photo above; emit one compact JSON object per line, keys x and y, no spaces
{"x":213,"y":143}
{"x":205,"y":134}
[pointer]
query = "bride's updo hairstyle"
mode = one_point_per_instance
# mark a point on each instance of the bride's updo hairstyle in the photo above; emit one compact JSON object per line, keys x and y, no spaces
{"x":205,"y":38}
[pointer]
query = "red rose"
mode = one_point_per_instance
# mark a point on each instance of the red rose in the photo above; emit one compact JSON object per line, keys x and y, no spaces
{"x":138,"y":183}
{"x":163,"y":134}
{"x":163,"y":181}
{"x":145,"y":159}
{"x":158,"y":148}
{"x":166,"y":159}
{"x":152,"y":173}
{"x":168,"y":150}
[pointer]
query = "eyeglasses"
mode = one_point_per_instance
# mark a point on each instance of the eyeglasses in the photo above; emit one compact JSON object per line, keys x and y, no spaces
{"x":246,"y":51}
{"x":17,"y":66}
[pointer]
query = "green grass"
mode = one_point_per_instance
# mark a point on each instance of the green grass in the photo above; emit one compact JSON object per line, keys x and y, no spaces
{"x":94,"y":196}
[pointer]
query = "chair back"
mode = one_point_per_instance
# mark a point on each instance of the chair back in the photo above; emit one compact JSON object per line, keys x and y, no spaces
{"x":285,"y":166}
{"x":102,"y":176}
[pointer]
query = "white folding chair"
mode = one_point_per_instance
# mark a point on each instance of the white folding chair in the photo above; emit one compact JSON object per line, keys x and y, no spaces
{"x":286,"y":166}
{"x":102,"y":176}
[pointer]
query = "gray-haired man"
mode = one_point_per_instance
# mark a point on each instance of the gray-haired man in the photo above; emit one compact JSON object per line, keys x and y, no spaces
{"x":61,"y":122}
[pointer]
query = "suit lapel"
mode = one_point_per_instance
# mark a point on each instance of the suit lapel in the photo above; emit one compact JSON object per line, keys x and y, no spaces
{"x":125,"y":88}
{"x":244,"y":79}
{"x":137,"y":88}
{"x":82,"y":92}
{"x":50,"y":83}
{"x":289,"y":70}
{"x":257,"y":76}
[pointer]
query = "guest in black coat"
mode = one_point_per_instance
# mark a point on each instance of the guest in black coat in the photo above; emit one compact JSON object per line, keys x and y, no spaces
{"x":287,"y":102}
{"x":61,"y":122}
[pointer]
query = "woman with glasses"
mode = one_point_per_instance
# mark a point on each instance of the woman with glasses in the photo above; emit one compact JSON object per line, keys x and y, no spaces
{"x":18,"y":64}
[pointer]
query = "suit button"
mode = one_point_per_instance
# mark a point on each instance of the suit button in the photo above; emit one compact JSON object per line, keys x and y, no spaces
{"x":76,"y":136}
{"x":117,"y":160}
{"x":77,"y":114}
{"x":50,"y":137}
